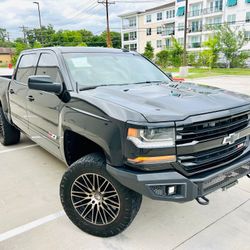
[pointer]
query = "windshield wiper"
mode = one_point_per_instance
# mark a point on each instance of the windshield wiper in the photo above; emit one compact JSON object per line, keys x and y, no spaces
{"x":93,"y":87}
{"x":149,"y":82}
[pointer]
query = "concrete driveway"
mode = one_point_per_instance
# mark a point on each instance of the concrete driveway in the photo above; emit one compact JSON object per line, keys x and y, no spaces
{"x":31,"y":215}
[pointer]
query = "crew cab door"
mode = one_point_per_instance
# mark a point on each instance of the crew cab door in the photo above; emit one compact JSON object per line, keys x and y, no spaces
{"x":18,"y":90}
{"x":44,"y":108}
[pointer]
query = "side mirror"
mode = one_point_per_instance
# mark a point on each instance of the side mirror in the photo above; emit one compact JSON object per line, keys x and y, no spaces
{"x":44,"y":83}
{"x":170,"y":76}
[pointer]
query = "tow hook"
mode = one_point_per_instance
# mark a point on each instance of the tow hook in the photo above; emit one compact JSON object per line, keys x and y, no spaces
{"x":202,"y":200}
{"x":248,"y":175}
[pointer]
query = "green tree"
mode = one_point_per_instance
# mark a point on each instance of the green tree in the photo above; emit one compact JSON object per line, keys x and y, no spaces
{"x":230,"y":43}
{"x":206,"y":58}
{"x":162,"y":58}
{"x":176,"y":53}
{"x":212,"y":51}
{"x":149,"y":51}
{"x":19,"y":47}
{"x":82,"y":44}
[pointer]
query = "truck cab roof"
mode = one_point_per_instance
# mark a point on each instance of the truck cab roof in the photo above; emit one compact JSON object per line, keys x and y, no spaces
{"x":60,"y":50}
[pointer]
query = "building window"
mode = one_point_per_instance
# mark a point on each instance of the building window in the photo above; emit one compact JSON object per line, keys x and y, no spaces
{"x":248,"y":17}
{"x":195,"y":9}
{"x":247,"y":35}
{"x":181,"y":41}
{"x":231,"y":3}
{"x":168,"y":42}
{"x":195,"y":42}
{"x":132,"y":36}
{"x":159,"y":43}
{"x":132,"y":22}
{"x":133,"y":46}
{"x":159,"y":16}
{"x":148,"y":19}
{"x":170,"y":14}
{"x":149,"y":31}
{"x":126,"y":46}
{"x":180,"y":26}
{"x":231,"y":19}
{"x":196,"y":26}
{"x":181,"y":11}
{"x":125,"y":37}
{"x":159,"y":30}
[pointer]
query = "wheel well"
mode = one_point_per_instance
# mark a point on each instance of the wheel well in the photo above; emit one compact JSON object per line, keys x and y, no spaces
{"x":76,"y":146}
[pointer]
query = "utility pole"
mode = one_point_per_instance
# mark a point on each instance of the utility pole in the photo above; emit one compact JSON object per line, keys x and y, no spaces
{"x":106,"y":3}
{"x":185,"y":36}
{"x":24,"y":30}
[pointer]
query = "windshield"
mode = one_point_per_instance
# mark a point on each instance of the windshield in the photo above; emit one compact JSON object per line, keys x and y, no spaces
{"x":95,"y":69}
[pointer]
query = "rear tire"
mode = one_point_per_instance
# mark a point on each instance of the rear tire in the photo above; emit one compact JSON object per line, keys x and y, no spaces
{"x":9,"y":135}
{"x":94,"y":201}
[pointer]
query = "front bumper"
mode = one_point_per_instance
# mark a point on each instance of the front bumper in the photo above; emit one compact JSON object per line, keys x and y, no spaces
{"x":155,"y":185}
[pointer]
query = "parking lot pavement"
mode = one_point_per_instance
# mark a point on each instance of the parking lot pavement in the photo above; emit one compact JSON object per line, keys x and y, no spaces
{"x":31,"y":215}
{"x":239,"y":84}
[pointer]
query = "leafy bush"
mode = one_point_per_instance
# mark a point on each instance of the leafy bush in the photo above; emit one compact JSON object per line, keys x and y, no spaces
{"x":162,"y":58}
{"x":176,"y":54}
{"x":149,"y":51}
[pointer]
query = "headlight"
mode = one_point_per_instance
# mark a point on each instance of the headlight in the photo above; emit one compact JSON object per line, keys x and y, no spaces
{"x":152,"y":138}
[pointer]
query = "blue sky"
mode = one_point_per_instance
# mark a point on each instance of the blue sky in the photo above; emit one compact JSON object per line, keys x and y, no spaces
{"x":66,"y":14}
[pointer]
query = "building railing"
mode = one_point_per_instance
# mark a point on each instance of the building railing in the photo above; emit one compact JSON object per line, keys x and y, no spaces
{"x":194,"y":13}
{"x":127,"y":26}
{"x":194,"y":45}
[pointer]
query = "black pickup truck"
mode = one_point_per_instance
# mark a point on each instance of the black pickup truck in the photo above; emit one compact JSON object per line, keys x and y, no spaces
{"x":126,"y":130}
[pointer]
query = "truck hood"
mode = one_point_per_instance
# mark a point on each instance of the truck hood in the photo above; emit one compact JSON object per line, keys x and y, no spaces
{"x":170,"y":102}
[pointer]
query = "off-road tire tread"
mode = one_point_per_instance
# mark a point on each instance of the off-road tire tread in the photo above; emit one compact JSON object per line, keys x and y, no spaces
{"x":11,"y":135}
{"x":132,"y":199}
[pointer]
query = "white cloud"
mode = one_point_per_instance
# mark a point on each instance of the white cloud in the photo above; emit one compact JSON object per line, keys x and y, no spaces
{"x":64,"y":14}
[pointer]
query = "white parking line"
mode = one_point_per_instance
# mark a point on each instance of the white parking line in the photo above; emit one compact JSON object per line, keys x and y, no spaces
{"x":27,"y":227}
{"x":15,"y":149}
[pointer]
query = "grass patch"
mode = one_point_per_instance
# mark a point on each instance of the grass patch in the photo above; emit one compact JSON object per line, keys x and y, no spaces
{"x":204,"y":72}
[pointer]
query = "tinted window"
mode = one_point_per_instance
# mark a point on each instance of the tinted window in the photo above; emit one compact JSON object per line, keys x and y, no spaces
{"x":26,"y":68}
{"x":48,"y":65}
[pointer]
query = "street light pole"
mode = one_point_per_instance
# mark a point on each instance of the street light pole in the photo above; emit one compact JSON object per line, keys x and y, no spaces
{"x":39,"y":14}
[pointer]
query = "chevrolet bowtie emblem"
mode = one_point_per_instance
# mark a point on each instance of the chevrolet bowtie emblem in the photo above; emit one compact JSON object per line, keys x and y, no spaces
{"x":232,"y":138}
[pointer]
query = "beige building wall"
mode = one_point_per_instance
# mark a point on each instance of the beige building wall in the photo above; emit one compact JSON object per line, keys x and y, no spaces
{"x":5,"y":59}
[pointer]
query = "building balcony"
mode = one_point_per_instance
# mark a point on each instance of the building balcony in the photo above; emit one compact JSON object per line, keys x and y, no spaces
{"x":128,"y":27}
{"x":195,"y":30}
{"x":195,"y":13}
{"x":208,"y":11}
{"x":194,"y":45}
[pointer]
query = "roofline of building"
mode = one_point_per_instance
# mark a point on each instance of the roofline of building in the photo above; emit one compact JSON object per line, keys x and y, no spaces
{"x":131,"y":13}
{"x":171,"y":4}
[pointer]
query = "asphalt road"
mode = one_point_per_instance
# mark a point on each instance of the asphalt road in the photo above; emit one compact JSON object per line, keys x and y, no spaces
{"x":31,"y":215}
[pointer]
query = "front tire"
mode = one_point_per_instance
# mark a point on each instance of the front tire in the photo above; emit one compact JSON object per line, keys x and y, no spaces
{"x":94,"y":201}
{"x":9,"y":135}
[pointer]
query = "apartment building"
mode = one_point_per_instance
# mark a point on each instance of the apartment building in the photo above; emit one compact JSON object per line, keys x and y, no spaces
{"x":158,"y":25}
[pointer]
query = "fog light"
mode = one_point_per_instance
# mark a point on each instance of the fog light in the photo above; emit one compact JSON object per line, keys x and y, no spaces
{"x":171,"y":190}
